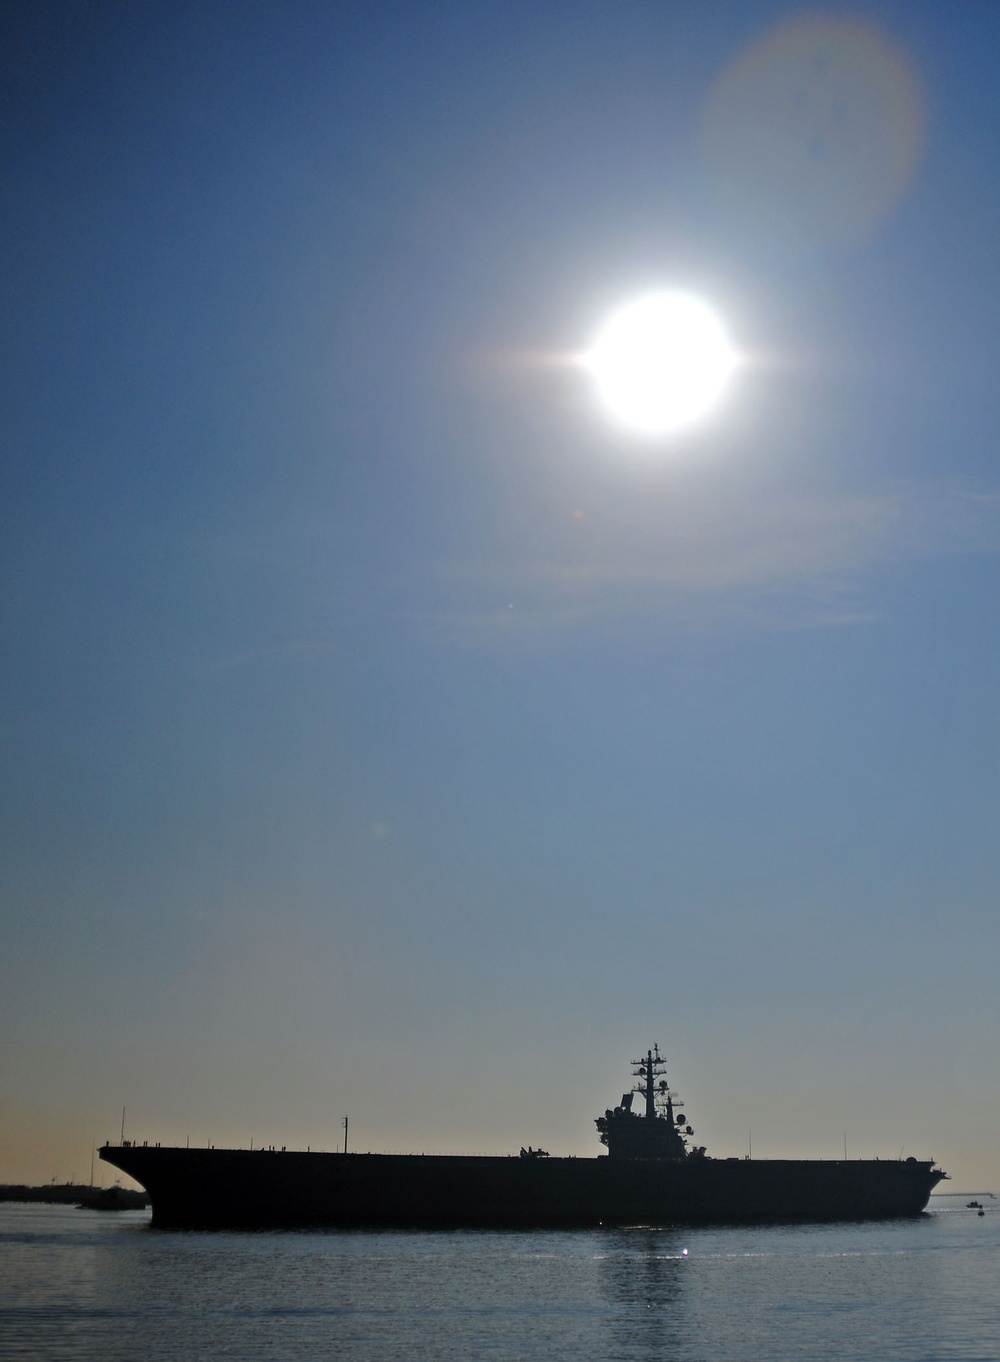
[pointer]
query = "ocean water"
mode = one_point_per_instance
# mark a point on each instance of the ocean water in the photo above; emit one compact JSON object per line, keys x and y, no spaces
{"x":86,"y":1285}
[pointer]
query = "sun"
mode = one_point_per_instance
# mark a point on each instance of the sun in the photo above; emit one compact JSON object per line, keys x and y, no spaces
{"x":662,"y":362}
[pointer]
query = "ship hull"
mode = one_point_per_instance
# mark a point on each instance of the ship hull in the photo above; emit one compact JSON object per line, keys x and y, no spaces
{"x":224,"y":1188}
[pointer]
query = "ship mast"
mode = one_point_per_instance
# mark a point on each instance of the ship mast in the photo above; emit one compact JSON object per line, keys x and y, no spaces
{"x":648,"y":1070}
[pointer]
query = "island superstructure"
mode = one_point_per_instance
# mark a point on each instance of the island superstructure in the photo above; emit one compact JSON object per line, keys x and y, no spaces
{"x":648,"y":1176}
{"x":659,"y":1133}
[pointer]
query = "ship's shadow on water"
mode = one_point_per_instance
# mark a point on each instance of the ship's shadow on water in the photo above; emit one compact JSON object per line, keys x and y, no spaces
{"x":641,"y":1276}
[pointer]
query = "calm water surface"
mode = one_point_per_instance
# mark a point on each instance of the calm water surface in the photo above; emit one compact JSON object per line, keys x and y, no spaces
{"x":85,"y":1285}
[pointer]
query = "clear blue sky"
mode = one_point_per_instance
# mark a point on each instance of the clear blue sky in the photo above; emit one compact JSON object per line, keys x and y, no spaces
{"x":385,"y":732}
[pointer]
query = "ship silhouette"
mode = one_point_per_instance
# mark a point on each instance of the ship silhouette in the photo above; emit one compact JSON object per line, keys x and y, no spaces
{"x":649,"y":1175}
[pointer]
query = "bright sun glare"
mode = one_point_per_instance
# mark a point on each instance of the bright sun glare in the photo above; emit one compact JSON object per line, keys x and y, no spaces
{"x":662,"y":362}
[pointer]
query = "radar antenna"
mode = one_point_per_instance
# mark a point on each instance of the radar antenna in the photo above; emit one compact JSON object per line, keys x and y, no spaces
{"x":652,"y":1085}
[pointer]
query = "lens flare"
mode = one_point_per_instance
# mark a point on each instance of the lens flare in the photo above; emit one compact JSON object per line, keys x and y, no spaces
{"x":814,"y":133}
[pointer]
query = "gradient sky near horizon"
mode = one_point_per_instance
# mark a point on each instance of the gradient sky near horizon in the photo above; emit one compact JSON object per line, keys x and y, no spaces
{"x":388,"y":733}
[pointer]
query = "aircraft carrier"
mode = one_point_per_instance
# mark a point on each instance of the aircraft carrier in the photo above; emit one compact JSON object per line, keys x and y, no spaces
{"x":650,"y":1175}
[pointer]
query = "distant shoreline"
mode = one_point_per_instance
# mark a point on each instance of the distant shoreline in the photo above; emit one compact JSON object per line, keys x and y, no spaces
{"x":76,"y":1194}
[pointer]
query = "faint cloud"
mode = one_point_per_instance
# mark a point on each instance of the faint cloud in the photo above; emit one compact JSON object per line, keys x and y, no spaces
{"x":770,"y":562}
